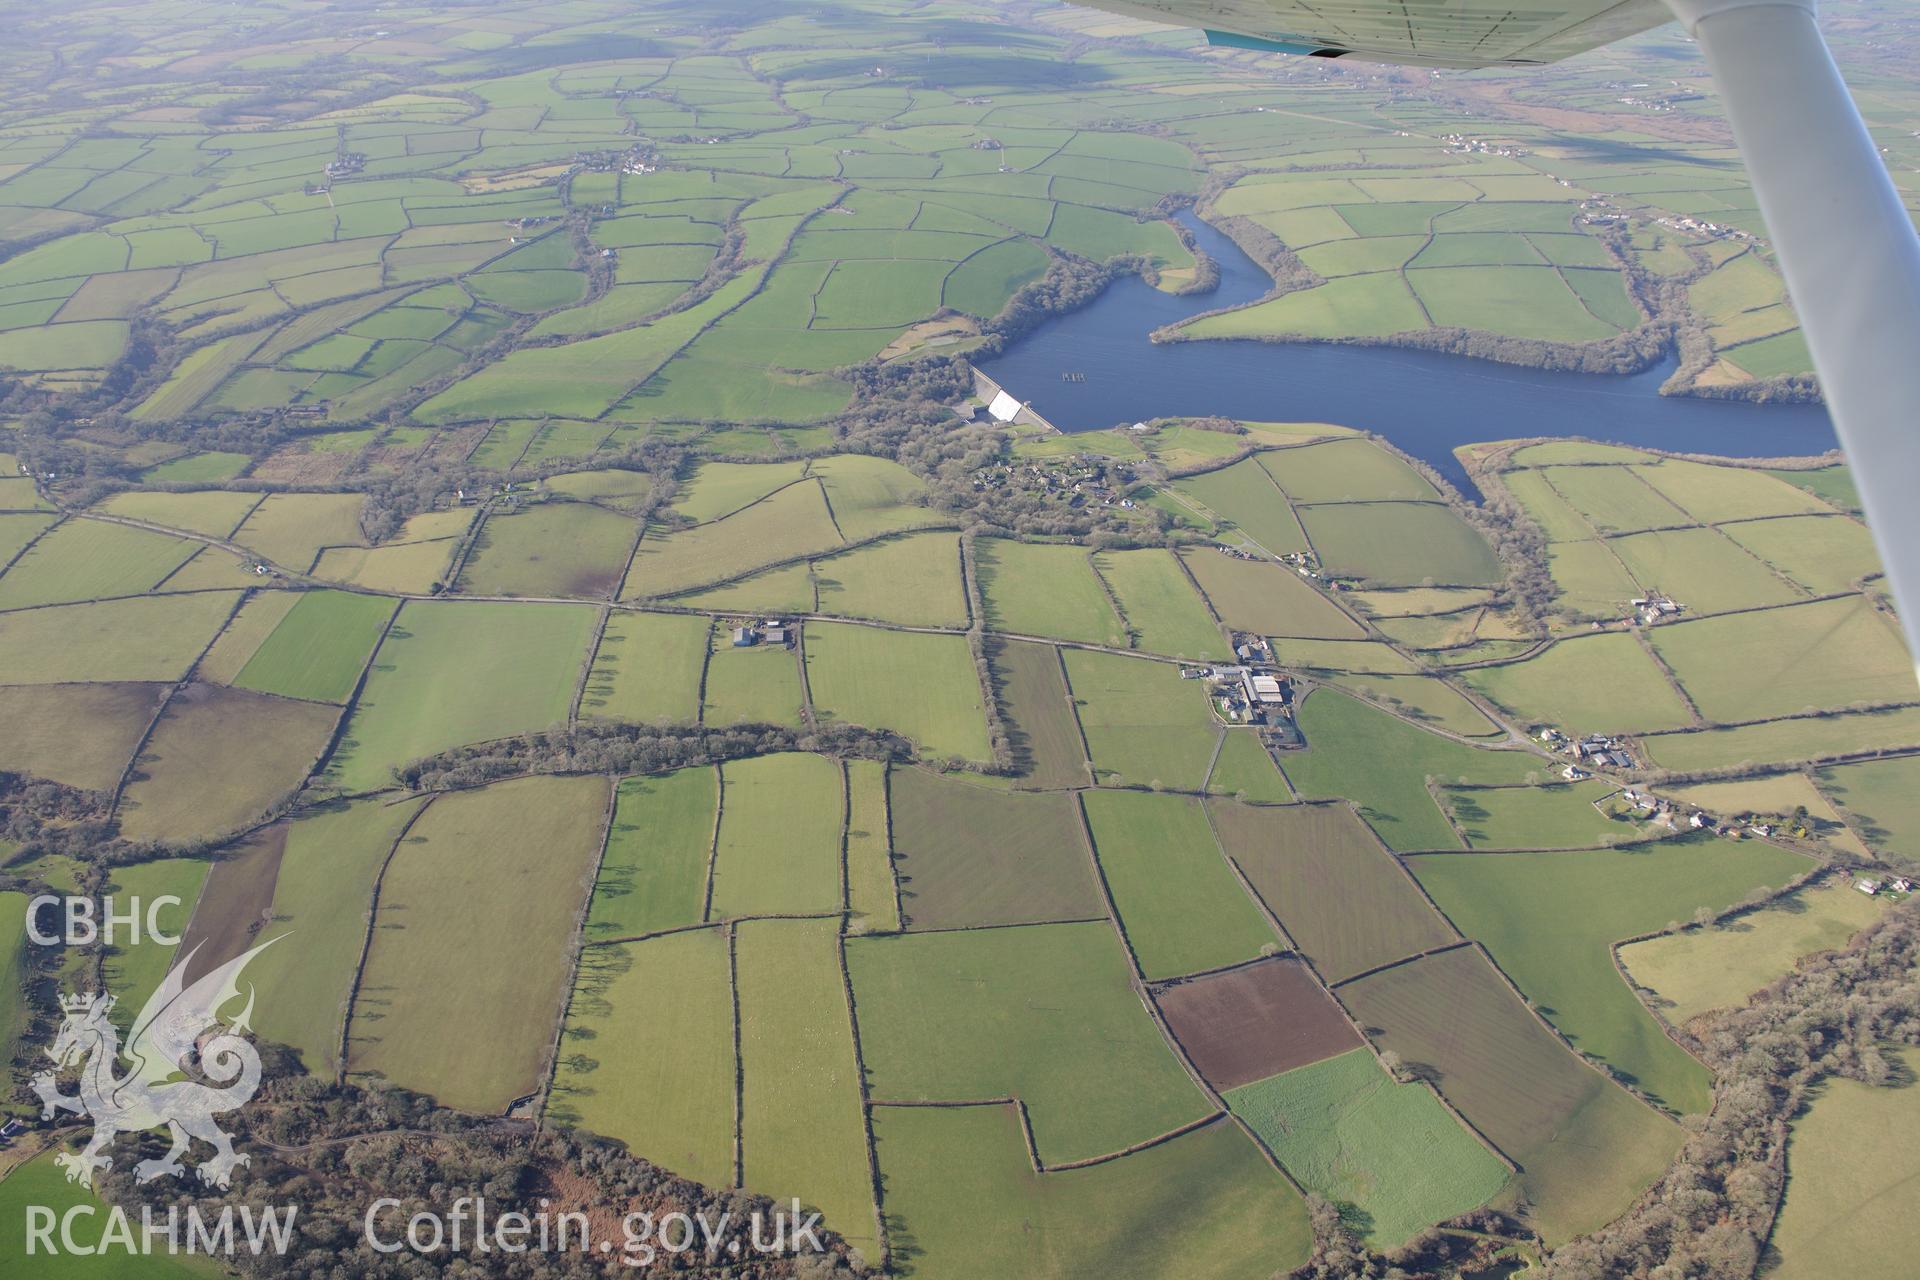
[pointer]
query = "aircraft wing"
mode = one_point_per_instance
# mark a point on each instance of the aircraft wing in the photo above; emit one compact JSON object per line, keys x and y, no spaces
{"x":1439,"y":33}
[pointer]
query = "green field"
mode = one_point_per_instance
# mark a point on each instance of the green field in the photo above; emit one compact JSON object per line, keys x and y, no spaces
{"x":1883,"y":799}
{"x":793,"y":522}
{"x":653,"y":875}
{"x":1401,"y":544}
{"x":1615,"y":499}
{"x":759,"y":684}
{"x":980,"y":1014}
{"x":91,"y":560}
{"x":716,"y":489}
{"x":647,"y":668}
{"x":411,"y":568}
{"x":1719,"y":967}
{"x":1144,"y":725}
{"x":551,"y":549}
{"x":1245,"y":770}
{"x":969,"y":855}
{"x":322,"y":892}
{"x":922,"y":686}
{"x":1045,"y":591}
{"x":1703,"y":570}
{"x":655,"y":1074}
{"x":1714,"y":494}
{"x":1245,"y":496}
{"x":961,"y":1193}
{"x":1551,"y":919}
{"x":1367,"y":306}
{"x":1784,"y":741}
{"x":873,"y":896}
{"x":290,"y":529}
{"x":787,"y":589}
{"x":1422,"y":699}
{"x":1749,"y":666}
{"x":1345,"y":471}
{"x":319,"y":649}
{"x":1593,"y":583}
{"x":1158,"y":601}
{"x":913,"y":580}
{"x":1849,"y":1208}
{"x":1832,"y":485}
{"x":1589,"y":684}
{"x":1390,"y":1154}
{"x":1038,"y":712}
{"x":213,"y":511}
{"x":1557,"y":816}
{"x":1556,"y":517}
{"x":41,"y":1183}
{"x":872,"y":496}
{"x":13,"y":944}
{"x":801,"y":1129}
{"x":982,"y":283}
{"x":1529,"y":301}
{"x":453,"y":672}
{"x":1822,"y":553}
{"x":519,"y":852}
{"x":617,"y":488}
{"x":1382,"y":764}
{"x":1585,"y":1147}
{"x":131,"y":972}
{"x":1267,"y":599}
{"x":778,"y":850}
{"x":1179,"y":904}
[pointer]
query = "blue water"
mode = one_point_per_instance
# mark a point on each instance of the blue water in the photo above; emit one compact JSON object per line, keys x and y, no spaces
{"x":1426,"y":403}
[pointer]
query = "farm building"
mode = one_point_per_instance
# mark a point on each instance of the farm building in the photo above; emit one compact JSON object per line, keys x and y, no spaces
{"x":745,"y":637}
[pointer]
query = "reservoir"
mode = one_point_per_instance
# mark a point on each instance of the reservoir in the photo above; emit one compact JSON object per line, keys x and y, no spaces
{"x":1424,"y":402}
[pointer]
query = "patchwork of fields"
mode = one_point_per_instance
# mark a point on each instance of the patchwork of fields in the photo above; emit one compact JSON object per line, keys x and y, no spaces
{"x":482,"y":503}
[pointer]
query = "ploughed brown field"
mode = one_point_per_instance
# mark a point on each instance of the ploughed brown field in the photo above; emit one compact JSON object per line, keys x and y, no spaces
{"x":1255,"y":1021}
{"x":234,"y":902}
{"x":1341,"y":896}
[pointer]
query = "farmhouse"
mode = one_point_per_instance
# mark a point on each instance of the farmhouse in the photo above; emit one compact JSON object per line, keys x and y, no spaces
{"x":1653,"y":608}
{"x":1265,"y":689}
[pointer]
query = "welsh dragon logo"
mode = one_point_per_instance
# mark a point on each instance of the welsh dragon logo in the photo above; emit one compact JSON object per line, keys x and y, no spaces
{"x":178,"y":1024}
